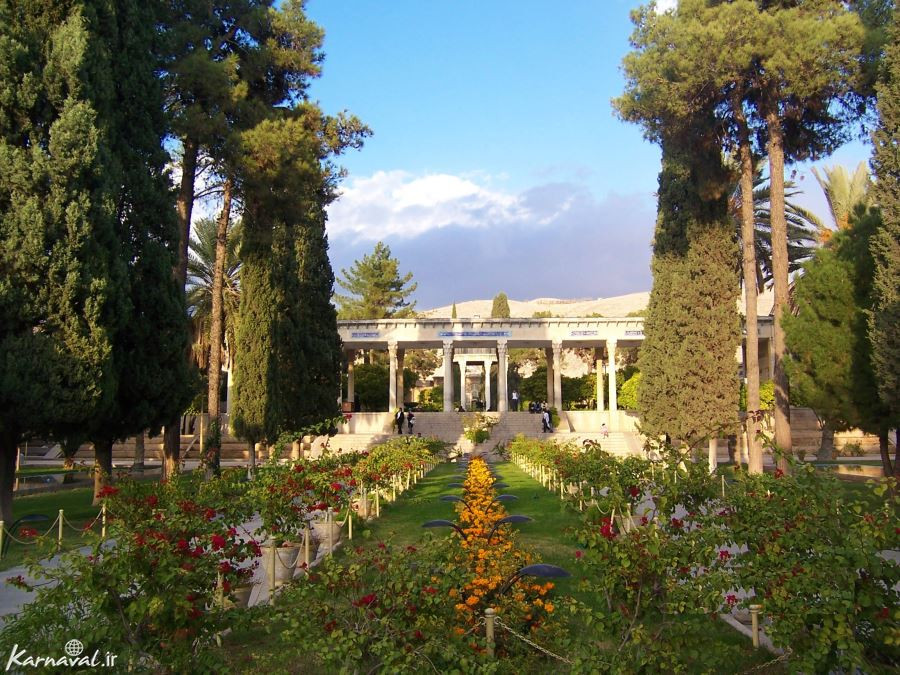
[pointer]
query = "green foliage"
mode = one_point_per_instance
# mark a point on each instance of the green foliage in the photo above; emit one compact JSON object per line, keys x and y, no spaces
{"x":830,"y":353}
{"x":151,"y":598}
{"x":375,"y":288}
{"x":766,"y":396}
{"x":423,"y":362}
{"x":371,"y":385}
{"x":689,"y":386}
{"x":477,"y":427}
{"x":885,"y":314}
{"x":578,"y":391}
{"x":431,"y":399}
{"x":453,"y":311}
{"x":500,"y":307}
{"x":627,"y":396}
{"x":542,"y":314}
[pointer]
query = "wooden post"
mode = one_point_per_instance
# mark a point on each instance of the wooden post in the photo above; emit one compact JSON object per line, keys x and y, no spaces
{"x":103,"y":521}
{"x":220,"y":590}
{"x":328,"y":521}
{"x":489,"y":616}
{"x":272,"y":574}
{"x":2,"y":534}
{"x":723,"y":487}
{"x":754,"y":619}
{"x":378,"y":502}
{"x":350,"y":523}
{"x":306,"y":546}
{"x":59,"y":536}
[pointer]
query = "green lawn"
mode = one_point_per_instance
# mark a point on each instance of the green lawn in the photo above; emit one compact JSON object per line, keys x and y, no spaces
{"x":48,"y":470}
{"x":76,"y":505}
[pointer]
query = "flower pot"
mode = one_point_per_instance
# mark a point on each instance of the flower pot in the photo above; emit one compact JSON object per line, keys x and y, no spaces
{"x":321,"y":529}
{"x":285,"y":563}
{"x":240,"y":597}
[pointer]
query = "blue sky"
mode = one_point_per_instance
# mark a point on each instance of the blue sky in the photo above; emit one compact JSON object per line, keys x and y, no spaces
{"x":496,"y":163}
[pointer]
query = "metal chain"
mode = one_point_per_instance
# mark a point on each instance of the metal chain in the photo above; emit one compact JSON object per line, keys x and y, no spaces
{"x":781,"y":657}
{"x":533,"y":644}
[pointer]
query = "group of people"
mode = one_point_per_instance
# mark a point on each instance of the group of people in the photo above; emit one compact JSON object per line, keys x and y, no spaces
{"x":540,"y":408}
{"x":407,"y":418}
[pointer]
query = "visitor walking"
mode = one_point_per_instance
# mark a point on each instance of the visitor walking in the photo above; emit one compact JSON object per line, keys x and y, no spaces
{"x":545,"y":420}
{"x":398,"y":420}
{"x":604,"y":431}
{"x":410,"y":421}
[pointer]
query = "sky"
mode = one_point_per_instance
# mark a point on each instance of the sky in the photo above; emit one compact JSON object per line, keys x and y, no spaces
{"x":496,"y":161}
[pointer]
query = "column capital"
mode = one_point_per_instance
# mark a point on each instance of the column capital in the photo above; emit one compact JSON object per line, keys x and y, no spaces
{"x":611,"y":342}
{"x":392,"y":348}
{"x":557,"y":348}
{"x":448,"y":346}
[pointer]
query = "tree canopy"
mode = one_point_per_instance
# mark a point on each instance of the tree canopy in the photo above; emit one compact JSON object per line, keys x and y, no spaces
{"x":375,"y":288}
{"x":500,"y":306}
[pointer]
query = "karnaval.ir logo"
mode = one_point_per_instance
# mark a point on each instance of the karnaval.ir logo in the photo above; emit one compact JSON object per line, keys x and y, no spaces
{"x":74,"y":657}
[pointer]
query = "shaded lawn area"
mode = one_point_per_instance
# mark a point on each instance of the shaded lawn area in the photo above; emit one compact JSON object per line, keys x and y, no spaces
{"x":76,"y":504}
{"x":550,"y":538}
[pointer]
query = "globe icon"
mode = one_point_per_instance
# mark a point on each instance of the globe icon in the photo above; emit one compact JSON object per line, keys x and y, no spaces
{"x":74,"y":647}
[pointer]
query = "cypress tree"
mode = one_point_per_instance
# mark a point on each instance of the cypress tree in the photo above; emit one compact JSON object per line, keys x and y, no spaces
{"x":885,"y":316}
{"x":689,"y":388}
{"x":152,"y":377}
{"x":500,"y":306}
{"x":453,"y":311}
{"x":61,"y":295}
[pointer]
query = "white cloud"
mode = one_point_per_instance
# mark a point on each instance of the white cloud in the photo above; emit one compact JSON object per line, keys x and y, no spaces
{"x":400,"y":204}
{"x":666,"y":5}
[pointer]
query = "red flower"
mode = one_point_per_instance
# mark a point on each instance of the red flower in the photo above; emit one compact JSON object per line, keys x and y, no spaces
{"x":431,"y":590}
{"x":644,"y":520}
{"x":677,"y":524}
{"x":365,"y":601}
{"x":634,"y":491}
{"x":731,"y":599}
{"x":724,"y":554}
{"x":579,"y":555}
{"x":330,"y":626}
{"x":197,"y":552}
{"x":411,"y":549}
{"x":218,"y":542}
{"x":151,"y":501}
{"x":337,"y":487}
{"x":883,"y":613}
{"x":107,"y":491}
{"x":182,"y":545}
{"x":254,"y":546}
{"x":608,"y":532}
{"x":188,"y":506}
{"x":210,"y":514}
{"x":28,"y":533}
{"x":418,"y":635}
{"x":778,"y":473}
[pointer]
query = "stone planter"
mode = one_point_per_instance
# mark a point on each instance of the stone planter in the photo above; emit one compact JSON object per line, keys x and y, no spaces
{"x":285,"y":564}
{"x":240,"y":597}
{"x":321,"y":530}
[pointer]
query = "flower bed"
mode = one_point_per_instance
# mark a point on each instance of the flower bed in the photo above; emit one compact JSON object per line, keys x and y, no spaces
{"x":793,"y":544}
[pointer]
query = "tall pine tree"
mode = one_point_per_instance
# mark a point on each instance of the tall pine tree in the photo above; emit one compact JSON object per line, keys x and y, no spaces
{"x":375,"y":288}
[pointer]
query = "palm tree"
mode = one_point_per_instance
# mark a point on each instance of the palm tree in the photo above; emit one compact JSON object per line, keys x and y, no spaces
{"x":201,"y":267}
{"x":803,"y":228}
{"x":843,"y":192}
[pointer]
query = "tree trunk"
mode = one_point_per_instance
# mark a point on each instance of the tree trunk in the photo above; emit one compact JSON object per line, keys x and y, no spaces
{"x":9,"y":450}
{"x":171,"y":451}
{"x":896,"y":453}
{"x":780,"y":278}
{"x":885,"y":450}
{"x":826,"y":448}
{"x":251,"y":445}
{"x":184,"y":206}
{"x":751,"y":351}
{"x":102,"y":466}
{"x":138,"y":463}
{"x":216,"y":327}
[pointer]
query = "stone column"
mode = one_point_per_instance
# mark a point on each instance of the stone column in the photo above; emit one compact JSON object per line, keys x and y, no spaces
{"x":502,"y":366}
{"x":598,"y":366}
{"x":770,"y":355}
{"x":613,"y":414}
{"x":548,"y":354}
{"x":487,"y":384}
{"x":351,"y":378}
{"x":229,"y":393}
{"x":392,"y":377}
{"x":448,"y":376}
{"x":557,"y":376}
{"x":462,"y":384}
{"x":401,"y":354}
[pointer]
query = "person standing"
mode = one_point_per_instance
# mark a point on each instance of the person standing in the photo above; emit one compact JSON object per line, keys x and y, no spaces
{"x":398,"y":420}
{"x":515,"y":400}
{"x":410,"y":421}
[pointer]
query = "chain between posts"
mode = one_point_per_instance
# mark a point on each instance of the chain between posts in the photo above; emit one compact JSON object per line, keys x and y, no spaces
{"x":524,"y":639}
